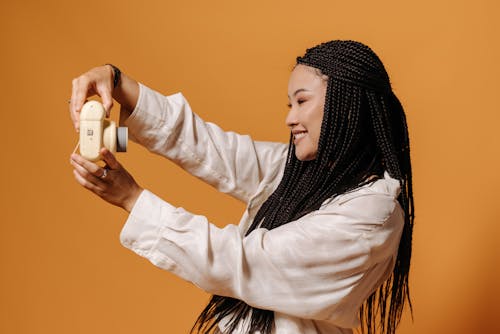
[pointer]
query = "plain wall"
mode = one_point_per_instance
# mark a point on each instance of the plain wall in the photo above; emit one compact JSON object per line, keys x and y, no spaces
{"x":63,"y":269}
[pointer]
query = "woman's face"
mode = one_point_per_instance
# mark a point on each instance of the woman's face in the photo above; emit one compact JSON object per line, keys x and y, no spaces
{"x":306,"y":96}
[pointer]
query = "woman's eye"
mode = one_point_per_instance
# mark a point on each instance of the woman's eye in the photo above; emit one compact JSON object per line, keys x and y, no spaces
{"x":299,"y":102}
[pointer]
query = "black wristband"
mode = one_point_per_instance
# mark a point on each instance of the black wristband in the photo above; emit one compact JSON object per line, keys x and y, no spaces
{"x":117,"y":75}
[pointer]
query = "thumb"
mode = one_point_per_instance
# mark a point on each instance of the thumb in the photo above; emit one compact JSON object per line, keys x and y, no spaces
{"x":107,"y":100}
{"x":110,"y":159}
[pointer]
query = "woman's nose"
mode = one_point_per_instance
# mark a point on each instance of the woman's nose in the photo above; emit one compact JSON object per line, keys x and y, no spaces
{"x":291,"y":119}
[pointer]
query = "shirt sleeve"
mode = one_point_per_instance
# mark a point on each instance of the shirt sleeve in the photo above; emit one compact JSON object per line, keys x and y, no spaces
{"x":322,"y":266}
{"x":232,"y":163}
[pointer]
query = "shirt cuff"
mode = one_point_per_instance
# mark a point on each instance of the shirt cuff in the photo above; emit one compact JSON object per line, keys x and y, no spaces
{"x":143,"y":228}
{"x":153,"y":118}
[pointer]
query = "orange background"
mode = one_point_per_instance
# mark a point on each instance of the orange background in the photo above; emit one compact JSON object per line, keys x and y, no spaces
{"x":62,"y":267}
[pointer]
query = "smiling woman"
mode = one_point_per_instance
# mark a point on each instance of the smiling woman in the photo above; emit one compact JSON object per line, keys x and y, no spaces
{"x":325,"y":242}
{"x":306,"y":93}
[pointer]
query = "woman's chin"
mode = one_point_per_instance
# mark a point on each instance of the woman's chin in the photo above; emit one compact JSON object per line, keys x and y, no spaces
{"x":303,"y":156}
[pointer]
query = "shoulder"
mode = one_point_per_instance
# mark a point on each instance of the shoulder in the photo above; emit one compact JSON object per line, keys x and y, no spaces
{"x":370,"y":215}
{"x":385,"y":187}
{"x":367,"y":207}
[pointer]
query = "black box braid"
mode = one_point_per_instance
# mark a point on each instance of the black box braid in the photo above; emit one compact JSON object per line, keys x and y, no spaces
{"x":363,"y":133}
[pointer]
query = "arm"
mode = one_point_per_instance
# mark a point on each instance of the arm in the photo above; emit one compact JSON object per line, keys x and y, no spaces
{"x":230,"y":162}
{"x":322,"y":266}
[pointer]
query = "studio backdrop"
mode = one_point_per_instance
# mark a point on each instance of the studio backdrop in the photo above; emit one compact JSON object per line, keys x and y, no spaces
{"x":62,"y":268}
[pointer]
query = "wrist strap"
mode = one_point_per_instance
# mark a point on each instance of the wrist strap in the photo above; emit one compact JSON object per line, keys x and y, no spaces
{"x":117,"y":74}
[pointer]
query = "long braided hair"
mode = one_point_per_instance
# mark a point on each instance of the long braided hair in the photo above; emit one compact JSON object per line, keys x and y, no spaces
{"x":363,"y":134}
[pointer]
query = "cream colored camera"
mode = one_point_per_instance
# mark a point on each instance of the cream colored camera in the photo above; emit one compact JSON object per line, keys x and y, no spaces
{"x":97,"y":132}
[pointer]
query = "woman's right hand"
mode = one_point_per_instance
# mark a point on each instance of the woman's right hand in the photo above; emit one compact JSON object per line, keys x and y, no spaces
{"x":98,"y":80}
{"x":112,"y":183}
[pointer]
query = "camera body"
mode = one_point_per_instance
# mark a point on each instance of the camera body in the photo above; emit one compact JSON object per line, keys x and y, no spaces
{"x":97,"y":132}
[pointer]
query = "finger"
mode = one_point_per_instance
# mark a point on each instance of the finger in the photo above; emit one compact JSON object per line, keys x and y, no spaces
{"x":75,"y":117}
{"x":91,"y":167}
{"x":98,"y":181}
{"x":76,"y":102}
{"x":110,"y":159}
{"x":80,"y":91}
{"x":104,"y":91}
{"x":87,"y":184}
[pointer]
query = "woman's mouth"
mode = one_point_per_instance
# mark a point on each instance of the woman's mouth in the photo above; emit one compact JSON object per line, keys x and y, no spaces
{"x":299,"y":135}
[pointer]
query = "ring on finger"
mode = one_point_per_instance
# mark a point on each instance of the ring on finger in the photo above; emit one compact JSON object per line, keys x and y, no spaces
{"x":104,"y":173}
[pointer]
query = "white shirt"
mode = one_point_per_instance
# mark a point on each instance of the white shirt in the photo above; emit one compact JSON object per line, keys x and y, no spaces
{"x":314,"y":273}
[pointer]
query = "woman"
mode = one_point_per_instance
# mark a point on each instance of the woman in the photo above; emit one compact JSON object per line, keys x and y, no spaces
{"x":325,"y":242}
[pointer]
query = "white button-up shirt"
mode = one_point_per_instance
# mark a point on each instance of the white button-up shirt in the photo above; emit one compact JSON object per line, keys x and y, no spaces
{"x":314,"y":273}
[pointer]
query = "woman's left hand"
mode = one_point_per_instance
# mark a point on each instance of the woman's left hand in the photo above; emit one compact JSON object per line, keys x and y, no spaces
{"x":112,"y":183}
